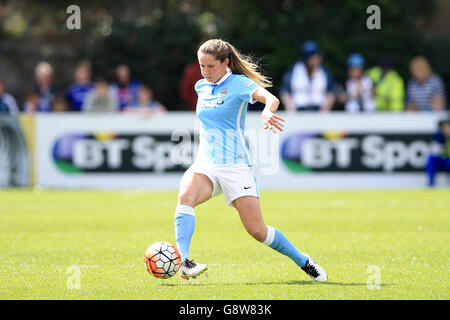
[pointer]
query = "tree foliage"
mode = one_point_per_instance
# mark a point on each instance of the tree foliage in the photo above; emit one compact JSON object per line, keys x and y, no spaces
{"x":158,"y":38}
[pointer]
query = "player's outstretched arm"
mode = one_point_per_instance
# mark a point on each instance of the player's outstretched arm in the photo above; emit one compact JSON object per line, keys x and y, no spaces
{"x":270,"y":119}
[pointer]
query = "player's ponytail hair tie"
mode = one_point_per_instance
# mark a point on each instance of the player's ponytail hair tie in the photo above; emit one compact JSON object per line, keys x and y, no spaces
{"x":239,"y":64}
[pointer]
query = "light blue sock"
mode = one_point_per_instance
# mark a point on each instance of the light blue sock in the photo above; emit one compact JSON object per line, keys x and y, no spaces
{"x":277,"y":241}
{"x":184,"y":228}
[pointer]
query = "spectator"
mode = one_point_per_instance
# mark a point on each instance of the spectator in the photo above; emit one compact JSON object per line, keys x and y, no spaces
{"x":190,"y":77}
{"x":31,"y":104}
{"x":60,"y":104}
{"x":126,"y":88}
{"x":425,"y":90}
{"x":44,"y":86}
{"x":388,"y":86}
{"x":102,"y":98}
{"x":308,"y":86}
{"x":358,"y":95}
{"x":439,"y":159}
{"x":146,"y":105}
{"x":7,"y":102}
{"x":83,"y":85}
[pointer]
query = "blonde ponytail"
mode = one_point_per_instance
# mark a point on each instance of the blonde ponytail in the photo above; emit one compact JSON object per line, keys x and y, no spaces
{"x":239,"y":64}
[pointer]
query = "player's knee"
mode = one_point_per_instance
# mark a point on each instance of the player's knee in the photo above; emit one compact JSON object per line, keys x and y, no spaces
{"x":187,"y":198}
{"x":258,"y":233}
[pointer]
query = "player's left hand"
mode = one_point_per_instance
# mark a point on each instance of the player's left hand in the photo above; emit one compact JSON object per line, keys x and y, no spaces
{"x":271,"y":121}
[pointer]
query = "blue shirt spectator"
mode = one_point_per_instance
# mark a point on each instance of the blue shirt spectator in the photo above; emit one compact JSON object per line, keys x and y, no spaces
{"x":308,"y":86}
{"x":439,"y":158}
{"x":146,"y":105}
{"x":76,"y":93}
{"x":126,"y":88}
{"x":46,"y":96}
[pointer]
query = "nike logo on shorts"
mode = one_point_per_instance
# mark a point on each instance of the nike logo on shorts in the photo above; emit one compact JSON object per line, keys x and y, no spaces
{"x":247,"y":188}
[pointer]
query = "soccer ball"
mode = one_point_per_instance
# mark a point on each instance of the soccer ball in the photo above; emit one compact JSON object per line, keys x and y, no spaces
{"x":162,"y":260}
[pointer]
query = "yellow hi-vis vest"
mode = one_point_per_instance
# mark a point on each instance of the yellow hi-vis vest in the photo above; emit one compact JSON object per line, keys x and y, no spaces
{"x":389,"y":90}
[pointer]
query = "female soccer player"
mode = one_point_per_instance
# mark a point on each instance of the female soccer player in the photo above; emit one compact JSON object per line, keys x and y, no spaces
{"x":223,"y":163}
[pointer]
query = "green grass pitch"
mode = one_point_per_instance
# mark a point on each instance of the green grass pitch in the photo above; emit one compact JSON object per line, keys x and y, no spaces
{"x":89,"y":245}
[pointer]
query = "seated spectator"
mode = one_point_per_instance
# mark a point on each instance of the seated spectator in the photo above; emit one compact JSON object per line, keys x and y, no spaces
{"x":358,"y":95}
{"x":102,"y":98}
{"x":388,"y":86}
{"x":308,"y":86}
{"x":190,"y":77}
{"x":31,"y":104}
{"x":425,"y":91}
{"x":439,"y":159}
{"x":44,"y":86}
{"x":125,"y":87}
{"x":7,"y":102}
{"x":146,"y":105}
{"x":60,"y":104}
{"x":77,"y":92}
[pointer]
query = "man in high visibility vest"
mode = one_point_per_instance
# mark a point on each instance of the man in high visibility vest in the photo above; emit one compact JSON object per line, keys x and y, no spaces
{"x":388,"y":86}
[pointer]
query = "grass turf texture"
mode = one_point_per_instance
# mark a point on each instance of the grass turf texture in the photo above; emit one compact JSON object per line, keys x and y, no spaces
{"x":104,"y":234}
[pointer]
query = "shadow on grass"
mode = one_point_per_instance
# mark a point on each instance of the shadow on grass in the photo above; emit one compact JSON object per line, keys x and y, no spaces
{"x":310,"y":282}
{"x":196,"y":284}
{"x":292,"y":282}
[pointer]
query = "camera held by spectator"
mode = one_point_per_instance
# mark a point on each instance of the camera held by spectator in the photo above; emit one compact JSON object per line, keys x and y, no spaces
{"x":358,"y":95}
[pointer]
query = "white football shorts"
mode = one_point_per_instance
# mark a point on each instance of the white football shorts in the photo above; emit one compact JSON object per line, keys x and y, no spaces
{"x":233,"y":180}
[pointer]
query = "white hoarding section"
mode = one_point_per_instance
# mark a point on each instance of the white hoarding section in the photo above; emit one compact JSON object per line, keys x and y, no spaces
{"x":315,"y":151}
{"x":51,"y":127}
{"x":373,"y":126}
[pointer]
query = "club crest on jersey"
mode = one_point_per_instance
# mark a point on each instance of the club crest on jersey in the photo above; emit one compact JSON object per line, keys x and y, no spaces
{"x":210,"y":104}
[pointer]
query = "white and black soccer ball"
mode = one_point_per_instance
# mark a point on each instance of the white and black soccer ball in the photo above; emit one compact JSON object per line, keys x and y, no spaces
{"x":162,"y":260}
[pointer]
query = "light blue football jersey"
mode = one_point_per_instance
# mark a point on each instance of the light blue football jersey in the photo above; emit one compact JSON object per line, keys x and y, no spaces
{"x":221,"y":109}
